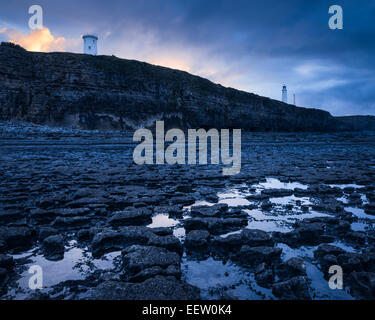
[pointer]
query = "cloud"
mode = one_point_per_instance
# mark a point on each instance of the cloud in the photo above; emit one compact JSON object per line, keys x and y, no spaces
{"x":41,"y":40}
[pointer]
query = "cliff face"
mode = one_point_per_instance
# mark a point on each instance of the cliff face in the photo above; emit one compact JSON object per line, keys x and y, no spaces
{"x":357,"y":123}
{"x":105,"y":92}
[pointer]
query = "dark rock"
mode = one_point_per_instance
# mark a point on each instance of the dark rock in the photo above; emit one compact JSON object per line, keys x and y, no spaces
{"x":254,"y":255}
{"x":277,"y":192}
{"x":265,"y":278}
{"x":237,"y":212}
{"x":250,"y":237}
{"x":131,"y":216}
{"x":72,"y":212}
{"x":260,"y":268}
{"x":137,"y":258}
{"x":209,"y":211}
{"x":168,"y":242}
{"x":185,"y":200}
{"x":2,"y":246}
{"x":42,"y":216}
{"x":72,"y":222}
{"x":307,"y":233}
{"x":151,"y":272}
{"x":84,"y":235}
{"x":162,"y":231}
{"x":370,"y":208}
{"x":3,"y":275}
{"x":6,"y":262}
{"x":228,"y":243}
{"x":349,"y":262}
{"x":296,"y":267}
{"x":45,"y":232}
{"x":325,"y":249}
{"x":7,"y":216}
{"x":195,"y":224}
{"x":298,"y":192}
{"x":139,"y":204}
{"x":83,"y":193}
{"x":17,"y":237}
{"x":342,"y":227}
{"x":333,"y":206}
{"x":266,"y":205}
{"x":197,"y":239}
{"x":107,"y":241}
{"x":215,"y":225}
{"x":362,"y":284}
{"x":175,"y":211}
{"x":53,"y":247}
{"x":326,"y":262}
{"x":296,"y":288}
{"x":91,"y":202}
{"x":35,"y":296}
{"x":356,"y":236}
{"x":255,"y":237}
{"x":157,"y":288}
{"x":368,"y":261}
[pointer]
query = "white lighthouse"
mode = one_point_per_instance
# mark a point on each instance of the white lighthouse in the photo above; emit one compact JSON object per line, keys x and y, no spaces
{"x":284,"y":94}
{"x":90,"y":44}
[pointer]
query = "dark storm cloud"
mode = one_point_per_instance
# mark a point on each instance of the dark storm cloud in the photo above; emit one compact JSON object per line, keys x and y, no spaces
{"x":251,"y":45}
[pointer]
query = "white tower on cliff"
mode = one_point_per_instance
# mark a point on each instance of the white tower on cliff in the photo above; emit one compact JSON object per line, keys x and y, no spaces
{"x":284,"y":94}
{"x":90,"y":44}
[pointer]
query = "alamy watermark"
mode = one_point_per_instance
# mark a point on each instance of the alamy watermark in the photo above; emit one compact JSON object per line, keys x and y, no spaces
{"x":36,"y":280}
{"x":175,"y":153}
{"x":336,"y":20}
{"x":36,"y":20}
{"x":336,"y":281}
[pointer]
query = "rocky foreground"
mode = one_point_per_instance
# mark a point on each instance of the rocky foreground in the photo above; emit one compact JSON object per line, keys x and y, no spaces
{"x":101,"y":227}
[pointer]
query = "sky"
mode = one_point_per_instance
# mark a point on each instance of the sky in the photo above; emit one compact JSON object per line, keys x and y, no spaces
{"x":256,"y":46}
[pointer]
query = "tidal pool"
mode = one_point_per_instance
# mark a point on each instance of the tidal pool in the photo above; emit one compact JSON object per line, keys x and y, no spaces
{"x":162,"y":220}
{"x":273,"y":183}
{"x":76,"y":264}
{"x":217,"y":279}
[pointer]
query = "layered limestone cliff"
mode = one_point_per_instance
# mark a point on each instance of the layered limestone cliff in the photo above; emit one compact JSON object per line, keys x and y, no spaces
{"x":105,"y":92}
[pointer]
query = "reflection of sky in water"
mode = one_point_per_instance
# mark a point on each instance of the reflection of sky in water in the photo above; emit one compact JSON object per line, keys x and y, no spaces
{"x":198,"y":203}
{"x":162,"y":220}
{"x":211,"y":276}
{"x":235,"y":197}
{"x":272,"y":183}
{"x":235,"y":201}
{"x":77,"y":264}
{"x":279,"y":219}
{"x":277,"y":222}
{"x":179,"y":233}
{"x":343,"y":246}
{"x":290,"y":200}
{"x":360,"y":213}
{"x":364,"y":199}
{"x":56,"y":271}
{"x":343,"y":199}
{"x":349,"y":185}
{"x":363,"y":224}
{"x":319,"y":286}
{"x":359,"y":226}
